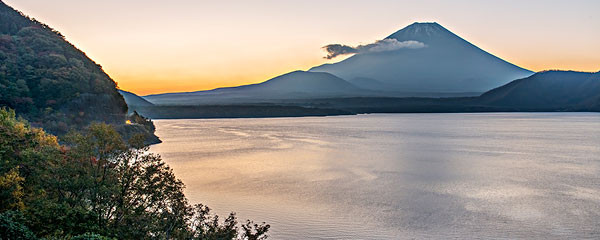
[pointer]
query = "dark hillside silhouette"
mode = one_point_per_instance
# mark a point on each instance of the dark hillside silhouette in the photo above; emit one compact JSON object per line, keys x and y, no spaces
{"x":49,"y":81}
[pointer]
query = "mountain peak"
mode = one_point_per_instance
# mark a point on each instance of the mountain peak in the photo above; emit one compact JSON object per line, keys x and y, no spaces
{"x":447,"y":64}
{"x":423,"y":32}
{"x":425,"y":24}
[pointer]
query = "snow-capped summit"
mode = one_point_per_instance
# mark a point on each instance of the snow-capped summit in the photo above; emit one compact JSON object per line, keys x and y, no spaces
{"x":422,"y":32}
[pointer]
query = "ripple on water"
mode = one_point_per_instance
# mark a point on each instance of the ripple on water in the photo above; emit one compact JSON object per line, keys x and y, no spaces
{"x":396,"y":176}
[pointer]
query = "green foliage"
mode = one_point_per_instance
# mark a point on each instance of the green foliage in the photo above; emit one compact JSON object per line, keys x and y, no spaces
{"x":98,"y":183}
{"x":49,"y":81}
{"x":12,"y":227}
{"x":25,"y":154}
{"x":53,"y":84}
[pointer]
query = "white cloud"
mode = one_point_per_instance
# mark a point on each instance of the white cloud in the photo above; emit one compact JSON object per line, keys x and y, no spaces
{"x":392,"y":45}
{"x":385,"y":45}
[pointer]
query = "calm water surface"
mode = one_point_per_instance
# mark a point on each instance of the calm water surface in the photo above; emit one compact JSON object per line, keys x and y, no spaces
{"x":396,"y":176}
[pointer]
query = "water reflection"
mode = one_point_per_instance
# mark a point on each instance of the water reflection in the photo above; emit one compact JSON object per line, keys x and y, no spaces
{"x":396,"y":176}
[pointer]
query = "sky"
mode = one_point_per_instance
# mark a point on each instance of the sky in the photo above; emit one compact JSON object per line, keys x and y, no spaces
{"x":157,"y":46}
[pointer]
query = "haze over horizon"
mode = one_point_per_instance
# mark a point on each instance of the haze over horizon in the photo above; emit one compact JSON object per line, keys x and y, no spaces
{"x":155,"y":47}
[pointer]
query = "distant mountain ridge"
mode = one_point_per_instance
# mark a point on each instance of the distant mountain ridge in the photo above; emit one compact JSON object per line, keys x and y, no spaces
{"x":549,"y":91}
{"x":297,"y":84}
{"x":448,"y":63}
{"x":134,"y":100}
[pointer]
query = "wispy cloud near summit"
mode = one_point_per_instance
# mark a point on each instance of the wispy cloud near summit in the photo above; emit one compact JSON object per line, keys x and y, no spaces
{"x":334,"y":50}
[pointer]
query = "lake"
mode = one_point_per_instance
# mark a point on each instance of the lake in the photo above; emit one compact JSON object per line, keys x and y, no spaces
{"x":396,"y":176}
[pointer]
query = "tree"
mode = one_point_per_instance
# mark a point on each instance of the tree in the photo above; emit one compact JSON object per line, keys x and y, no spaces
{"x":11,"y":190}
{"x":98,"y":183}
{"x":253,"y":231}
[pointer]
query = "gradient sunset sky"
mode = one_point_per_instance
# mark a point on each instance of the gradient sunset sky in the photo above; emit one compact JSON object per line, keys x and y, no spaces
{"x":152,"y":46}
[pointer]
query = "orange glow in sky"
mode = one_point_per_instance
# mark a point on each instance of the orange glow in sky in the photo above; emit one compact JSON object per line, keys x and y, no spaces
{"x":151,"y":46}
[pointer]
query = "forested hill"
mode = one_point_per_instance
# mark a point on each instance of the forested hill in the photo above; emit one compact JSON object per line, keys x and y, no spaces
{"x":548,"y":90}
{"x":49,"y":81}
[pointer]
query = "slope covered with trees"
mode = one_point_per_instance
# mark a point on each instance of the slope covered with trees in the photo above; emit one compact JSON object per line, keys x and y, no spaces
{"x":97,"y":187}
{"x":548,"y":90}
{"x":50,"y":82}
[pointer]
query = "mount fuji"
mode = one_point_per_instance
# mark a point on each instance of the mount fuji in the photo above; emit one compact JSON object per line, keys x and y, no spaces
{"x":446,"y":64}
